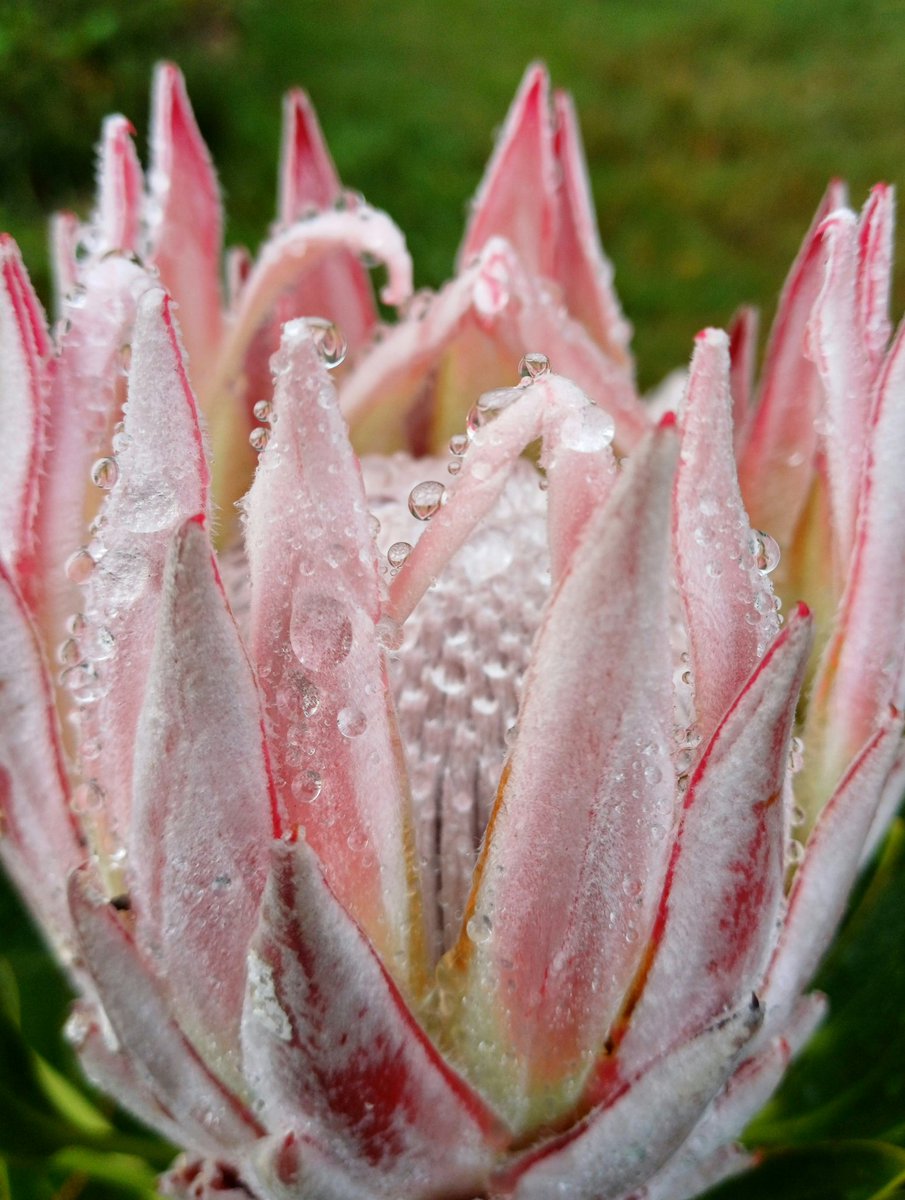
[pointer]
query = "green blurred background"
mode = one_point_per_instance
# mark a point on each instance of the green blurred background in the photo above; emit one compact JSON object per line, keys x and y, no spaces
{"x":711,"y":130}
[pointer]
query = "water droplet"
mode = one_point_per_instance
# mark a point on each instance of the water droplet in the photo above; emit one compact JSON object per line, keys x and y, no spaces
{"x":398,"y":553}
{"x":263,"y":410}
{"x":491,"y":404}
{"x":80,"y":565}
{"x":320,"y":631}
{"x":77,"y":624}
{"x":794,"y":851}
{"x":88,"y":797}
{"x":77,"y":297}
{"x":351,"y":722}
{"x":454,"y":467}
{"x":84,"y":684}
{"x":99,"y":644}
{"x":479,"y":930}
{"x":458,"y":444}
{"x":373,"y":525}
{"x":534,"y":365}
{"x":307,"y":786}
{"x":426,"y":498}
{"x":259,"y":437}
{"x":69,"y":652}
{"x":765,"y":550}
{"x":105,"y":473}
{"x":796,"y":755}
{"x":329,"y":340}
{"x":797,"y":816}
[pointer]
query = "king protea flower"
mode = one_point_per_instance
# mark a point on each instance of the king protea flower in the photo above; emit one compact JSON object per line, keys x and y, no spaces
{"x":439,"y":826}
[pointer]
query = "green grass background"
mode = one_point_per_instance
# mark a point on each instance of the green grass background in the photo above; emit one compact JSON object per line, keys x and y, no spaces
{"x":711,"y":128}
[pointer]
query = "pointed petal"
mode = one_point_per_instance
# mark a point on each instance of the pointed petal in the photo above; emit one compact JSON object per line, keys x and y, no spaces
{"x":861,"y":669}
{"x":724,"y":890}
{"x":517,"y":196}
{"x":64,"y":236}
{"x":620,"y":1146}
{"x":876,"y":230}
{"x":831,"y":864}
{"x":314,"y":610}
{"x":308,"y":177}
{"x":729,"y":607}
{"x":836,"y":347}
{"x":211,"y":1119}
{"x":776,"y":465}
{"x":162,"y":481}
{"x":38,"y":838}
{"x":24,"y":377}
{"x":185,"y":219}
{"x":470,"y":337}
{"x":566,"y":888}
{"x":296,"y":1164}
{"x":120,"y":184}
{"x":203,"y":810}
{"x":743,"y":332}
{"x":328,"y":1038}
{"x":580,"y":265}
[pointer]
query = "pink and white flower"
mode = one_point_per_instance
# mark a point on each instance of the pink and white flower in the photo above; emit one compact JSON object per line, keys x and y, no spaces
{"x":438,"y":826}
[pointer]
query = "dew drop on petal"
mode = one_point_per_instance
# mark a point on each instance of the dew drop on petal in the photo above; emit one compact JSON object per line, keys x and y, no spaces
{"x":99,"y":643}
{"x":534,"y":365}
{"x":88,"y":797}
{"x":351,"y":721}
{"x":458,"y":444}
{"x":320,"y":631}
{"x":77,"y":624}
{"x":307,"y":786}
{"x":426,"y":498}
{"x":398,"y":553}
{"x":589,"y":430}
{"x":765,"y":550}
{"x":69,"y":652}
{"x":80,"y":565}
{"x":263,"y":410}
{"x":454,"y":467}
{"x":479,"y":930}
{"x":259,"y":437}
{"x":105,"y":473}
{"x":329,"y":341}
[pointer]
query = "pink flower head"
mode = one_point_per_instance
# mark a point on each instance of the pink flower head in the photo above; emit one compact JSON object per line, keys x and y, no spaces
{"x":438,"y":826}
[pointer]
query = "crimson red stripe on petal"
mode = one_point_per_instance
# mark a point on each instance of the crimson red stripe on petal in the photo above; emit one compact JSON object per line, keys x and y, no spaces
{"x":729,"y":605}
{"x":831,"y":863}
{"x":314,"y":610}
{"x":718,"y":915}
{"x":184,"y":217}
{"x":743,"y":332}
{"x":120,"y":184}
{"x":618,"y":1147}
{"x":24,"y":378}
{"x":777,"y":461}
{"x":327,"y":1039}
{"x":517,"y":197}
{"x":210,"y":1117}
{"x":40,"y":844}
{"x":162,"y":479}
{"x":203,"y":811}
{"x":580,"y":266}
{"x":576,"y":849}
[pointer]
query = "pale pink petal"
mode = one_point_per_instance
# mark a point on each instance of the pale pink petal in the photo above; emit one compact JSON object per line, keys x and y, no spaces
{"x":836,"y":347}
{"x":889,"y":805}
{"x":210,"y":1117}
{"x":314,"y":609}
{"x":469,"y":337}
{"x":724,"y":891}
{"x":618,"y":1147}
{"x":876,"y":230}
{"x":743,"y":334}
{"x":580,"y":266}
{"x":517,"y":197}
{"x":162,"y":479}
{"x":861,"y":670}
{"x":831,"y":863}
{"x":120,"y":184}
{"x":24,"y":379}
{"x":576,"y":849}
{"x":39,"y":841}
{"x":203,"y":810}
{"x":684,"y":1178}
{"x":296,"y":1164}
{"x":777,"y":460}
{"x":65,"y":229}
{"x":328,"y":1039}
{"x":184,"y":217}
{"x":729,"y":605}
{"x":308,"y":177}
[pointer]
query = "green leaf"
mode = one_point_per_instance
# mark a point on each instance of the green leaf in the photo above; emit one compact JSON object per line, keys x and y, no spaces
{"x":850,"y":1082}
{"x":834,"y":1171}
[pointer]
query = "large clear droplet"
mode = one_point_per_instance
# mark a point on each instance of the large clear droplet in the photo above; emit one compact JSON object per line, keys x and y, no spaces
{"x":398,"y":553}
{"x":80,"y":565}
{"x":105,"y":473}
{"x":88,"y":797}
{"x":534,"y":365}
{"x":765,"y":550}
{"x":307,"y":786}
{"x":351,"y":722}
{"x":589,"y":430}
{"x":329,"y":340}
{"x":263,"y":410}
{"x":320,"y":631}
{"x":259,"y":437}
{"x":426,"y":498}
